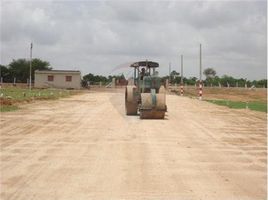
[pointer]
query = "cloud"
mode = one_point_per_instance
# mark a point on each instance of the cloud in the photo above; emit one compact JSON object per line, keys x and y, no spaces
{"x":97,"y":36}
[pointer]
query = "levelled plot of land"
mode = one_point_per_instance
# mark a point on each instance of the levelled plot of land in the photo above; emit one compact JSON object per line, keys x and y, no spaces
{"x":84,"y":147}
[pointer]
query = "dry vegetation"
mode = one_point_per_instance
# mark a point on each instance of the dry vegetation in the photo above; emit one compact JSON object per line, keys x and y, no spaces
{"x":232,"y":94}
{"x":255,"y":99}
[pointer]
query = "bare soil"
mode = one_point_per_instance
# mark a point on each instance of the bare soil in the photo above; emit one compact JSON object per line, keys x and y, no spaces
{"x":85,"y":147}
{"x":232,"y":94}
{"x":4,"y":101}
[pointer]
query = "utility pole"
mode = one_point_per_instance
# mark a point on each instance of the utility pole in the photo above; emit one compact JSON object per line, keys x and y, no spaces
{"x":169,"y":68}
{"x":200,"y":76}
{"x":182,"y":75}
{"x":181,"y":69}
{"x":200,"y":73}
{"x":169,"y":71}
{"x":31,"y":49}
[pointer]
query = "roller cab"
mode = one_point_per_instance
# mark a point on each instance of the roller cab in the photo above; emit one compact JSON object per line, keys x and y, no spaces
{"x":153,"y":106}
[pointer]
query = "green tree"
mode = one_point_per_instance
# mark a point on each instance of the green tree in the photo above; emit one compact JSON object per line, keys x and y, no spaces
{"x":225,"y":80}
{"x":261,"y":83}
{"x":215,"y":81}
{"x":38,"y":64}
{"x":20,"y":68}
{"x":190,"y":81}
{"x":174,"y":77}
{"x":163,"y":79}
{"x":5,"y":74}
{"x":241,"y":82}
{"x":209,"y":73}
{"x":94,"y":78}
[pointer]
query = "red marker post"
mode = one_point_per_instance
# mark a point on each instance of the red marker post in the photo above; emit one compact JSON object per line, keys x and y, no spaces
{"x":181,"y":89}
{"x":200,"y":90}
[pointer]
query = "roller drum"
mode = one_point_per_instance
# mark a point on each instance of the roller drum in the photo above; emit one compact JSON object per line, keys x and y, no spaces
{"x":153,"y":106}
{"x":147,"y":101}
{"x":131,"y":104}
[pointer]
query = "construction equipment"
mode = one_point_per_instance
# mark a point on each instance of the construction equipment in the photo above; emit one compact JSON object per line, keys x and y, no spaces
{"x":145,"y":94}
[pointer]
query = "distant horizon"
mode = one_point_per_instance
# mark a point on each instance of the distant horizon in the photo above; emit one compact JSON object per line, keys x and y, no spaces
{"x":129,"y":69}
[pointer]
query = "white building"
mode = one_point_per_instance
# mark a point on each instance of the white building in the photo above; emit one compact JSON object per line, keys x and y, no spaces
{"x":67,"y":79}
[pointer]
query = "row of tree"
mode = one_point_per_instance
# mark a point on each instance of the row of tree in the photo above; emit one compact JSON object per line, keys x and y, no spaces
{"x":224,"y":81}
{"x":213,"y":80}
{"x":20,"y":70}
{"x":95,"y":79}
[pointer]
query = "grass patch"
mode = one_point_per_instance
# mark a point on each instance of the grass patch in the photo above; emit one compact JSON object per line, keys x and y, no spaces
{"x":257,"y":106}
{"x":19,"y":94}
{"x":8,"y":108}
{"x":9,"y":97}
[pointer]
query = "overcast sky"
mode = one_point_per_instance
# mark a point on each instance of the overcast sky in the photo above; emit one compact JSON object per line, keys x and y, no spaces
{"x":103,"y":37}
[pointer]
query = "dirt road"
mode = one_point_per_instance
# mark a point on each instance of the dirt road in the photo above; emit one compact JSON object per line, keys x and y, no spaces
{"x":84,"y":147}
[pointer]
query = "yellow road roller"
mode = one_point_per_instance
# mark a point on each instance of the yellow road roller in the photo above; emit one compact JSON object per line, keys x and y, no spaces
{"x":144,"y":93}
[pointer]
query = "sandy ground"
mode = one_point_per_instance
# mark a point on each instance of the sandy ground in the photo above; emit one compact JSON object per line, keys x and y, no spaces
{"x":84,"y":147}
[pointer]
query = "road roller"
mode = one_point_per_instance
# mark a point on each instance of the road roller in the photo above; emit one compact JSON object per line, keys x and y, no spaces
{"x":145,"y":95}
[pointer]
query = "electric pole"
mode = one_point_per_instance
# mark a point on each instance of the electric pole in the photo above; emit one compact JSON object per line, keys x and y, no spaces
{"x":200,"y":73}
{"x":200,"y":76}
{"x":181,"y":69}
{"x":182,"y":75}
{"x":169,"y":71}
{"x":30,"y":83}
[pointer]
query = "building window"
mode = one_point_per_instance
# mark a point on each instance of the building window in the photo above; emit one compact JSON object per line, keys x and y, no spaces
{"x":50,"y":78}
{"x":68,"y":78}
